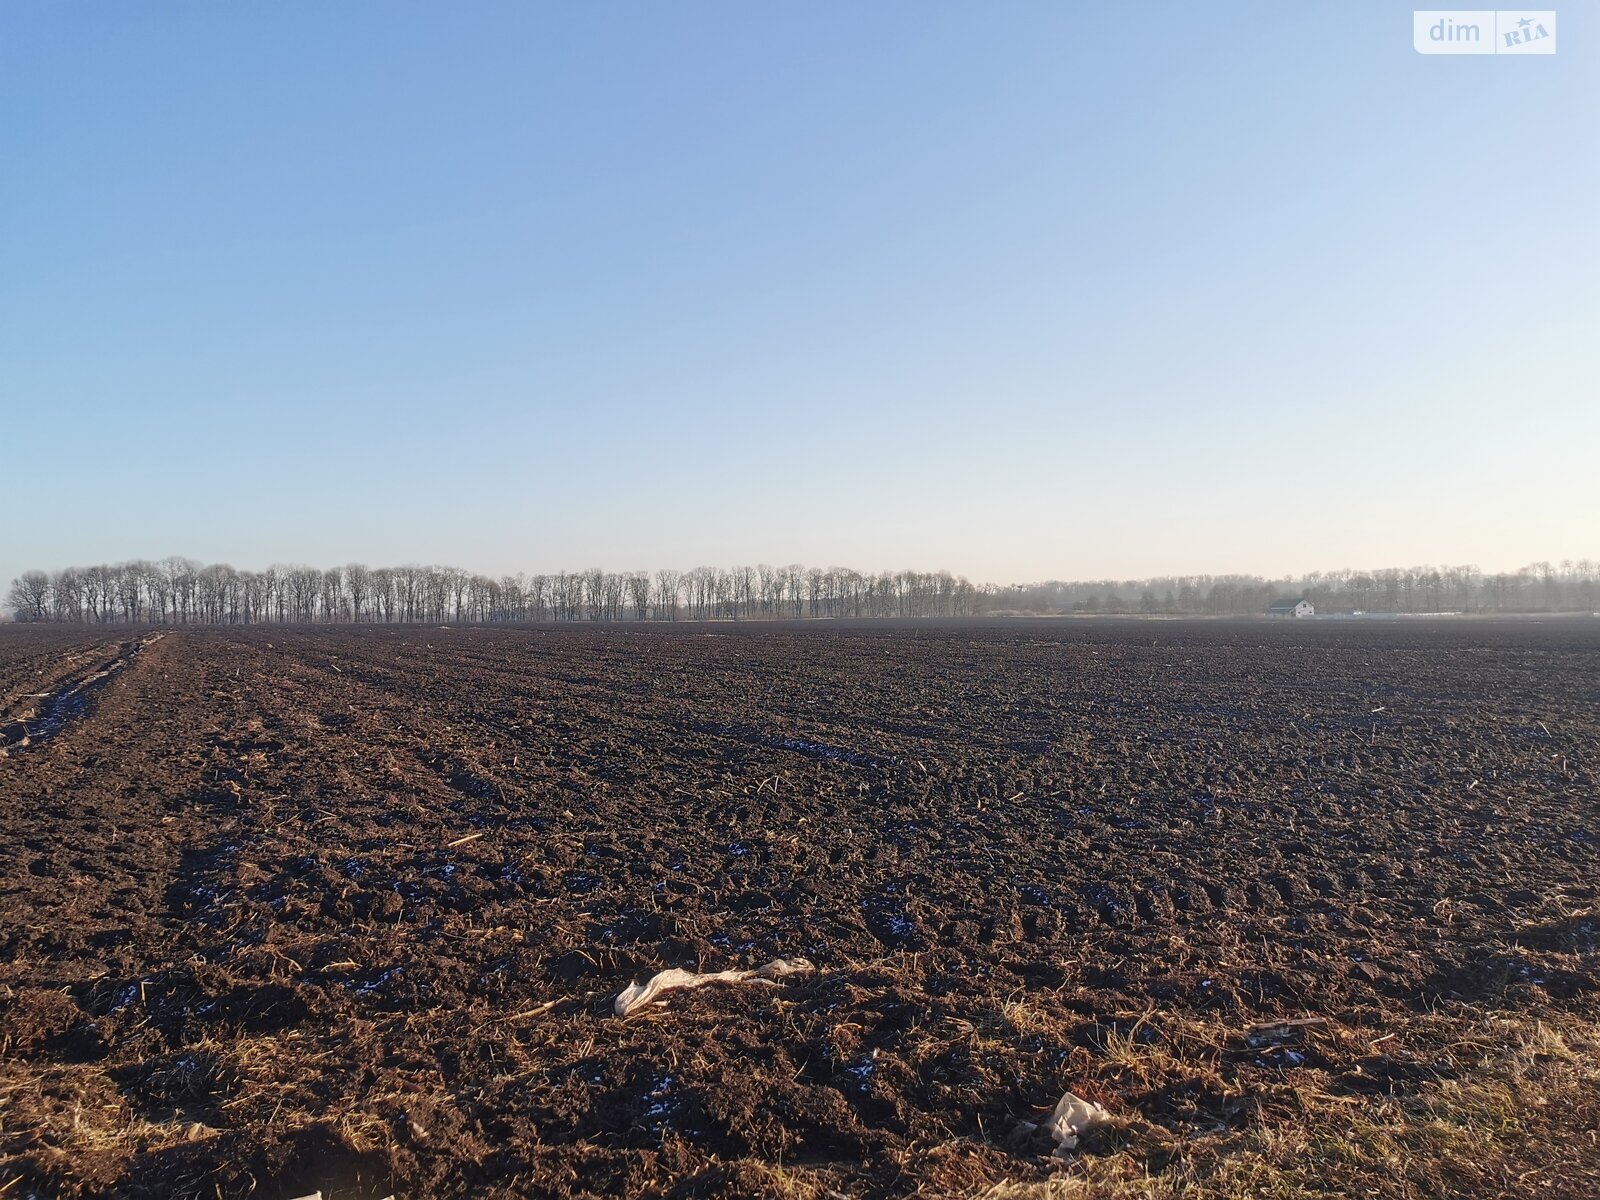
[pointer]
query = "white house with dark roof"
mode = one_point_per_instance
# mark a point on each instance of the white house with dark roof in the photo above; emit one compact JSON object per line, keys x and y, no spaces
{"x":1291,"y":607}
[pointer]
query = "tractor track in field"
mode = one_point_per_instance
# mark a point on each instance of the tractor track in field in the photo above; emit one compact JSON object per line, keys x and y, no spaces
{"x":33,"y":719}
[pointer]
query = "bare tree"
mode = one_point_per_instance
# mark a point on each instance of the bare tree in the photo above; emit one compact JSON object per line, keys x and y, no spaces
{"x":668,"y":585}
{"x":639,"y":594}
{"x":29,"y":596}
{"x":66,"y":595}
{"x":382,"y":582}
{"x":358,"y":585}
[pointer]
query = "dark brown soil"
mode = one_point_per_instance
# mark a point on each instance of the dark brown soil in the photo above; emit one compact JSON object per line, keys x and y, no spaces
{"x":289,"y":909}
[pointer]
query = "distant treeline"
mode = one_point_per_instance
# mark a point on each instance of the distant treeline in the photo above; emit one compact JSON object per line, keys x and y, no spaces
{"x":181,"y":591}
{"x":1568,"y":586}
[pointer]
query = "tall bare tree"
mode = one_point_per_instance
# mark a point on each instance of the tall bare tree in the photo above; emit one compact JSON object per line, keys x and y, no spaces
{"x":29,"y":596}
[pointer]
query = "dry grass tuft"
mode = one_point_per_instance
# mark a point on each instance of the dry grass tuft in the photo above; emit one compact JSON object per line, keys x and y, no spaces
{"x":1509,"y":1107}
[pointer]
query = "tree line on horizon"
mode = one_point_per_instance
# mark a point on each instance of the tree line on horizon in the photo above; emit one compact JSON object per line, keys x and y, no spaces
{"x":182,"y":591}
{"x":1568,"y":586}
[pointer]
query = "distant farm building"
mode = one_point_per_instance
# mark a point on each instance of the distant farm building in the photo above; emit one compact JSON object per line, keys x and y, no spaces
{"x":1292,"y":608}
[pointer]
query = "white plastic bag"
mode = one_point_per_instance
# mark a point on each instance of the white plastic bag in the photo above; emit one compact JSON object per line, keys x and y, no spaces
{"x":638,"y":995}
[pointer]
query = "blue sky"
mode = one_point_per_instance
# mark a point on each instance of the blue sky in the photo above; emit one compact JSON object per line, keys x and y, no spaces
{"x":1021,"y":290}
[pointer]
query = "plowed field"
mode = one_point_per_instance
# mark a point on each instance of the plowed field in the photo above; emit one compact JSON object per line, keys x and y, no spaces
{"x":296,"y":909}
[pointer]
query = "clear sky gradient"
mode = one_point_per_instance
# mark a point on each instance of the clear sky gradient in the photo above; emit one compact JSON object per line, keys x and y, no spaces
{"x":1024,"y":290}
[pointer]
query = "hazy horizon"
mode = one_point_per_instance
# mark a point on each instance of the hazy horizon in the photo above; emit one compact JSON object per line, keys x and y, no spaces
{"x":1025,"y":293}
